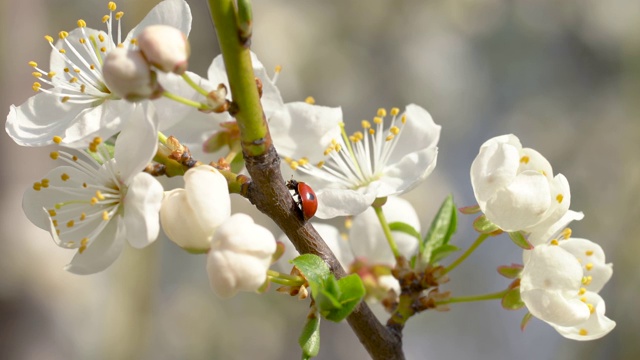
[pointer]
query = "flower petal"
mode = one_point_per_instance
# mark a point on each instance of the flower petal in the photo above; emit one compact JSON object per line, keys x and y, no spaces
{"x":141,"y":210}
{"x":418,"y":133}
{"x":342,"y":202}
{"x":174,"y":13}
{"x":592,"y":258}
{"x":409,"y":172}
{"x":137,"y":143}
{"x":554,"y":308}
{"x":102,"y":252}
{"x":597,"y":326}
{"x":542,"y":233}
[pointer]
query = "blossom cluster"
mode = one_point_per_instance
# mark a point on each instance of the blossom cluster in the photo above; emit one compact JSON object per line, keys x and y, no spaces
{"x":107,"y":103}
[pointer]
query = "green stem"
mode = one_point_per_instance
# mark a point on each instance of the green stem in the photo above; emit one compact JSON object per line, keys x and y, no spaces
{"x":461,"y":299}
{"x":185,"y":101}
{"x":195,"y":86}
{"x":285,"y":279}
{"x":387,"y":231}
{"x":247,"y":108}
{"x":481,"y":238}
{"x":162,"y":138}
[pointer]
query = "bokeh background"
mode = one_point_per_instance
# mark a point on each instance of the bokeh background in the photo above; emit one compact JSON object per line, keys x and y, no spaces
{"x":562,"y":75}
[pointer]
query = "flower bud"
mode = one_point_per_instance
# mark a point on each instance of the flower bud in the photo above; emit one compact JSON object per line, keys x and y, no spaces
{"x":240,"y":256}
{"x":165,"y":47}
{"x":128,"y":75}
{"x":190,"y":216}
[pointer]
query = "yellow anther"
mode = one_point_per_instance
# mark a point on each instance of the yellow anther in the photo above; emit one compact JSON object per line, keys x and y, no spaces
{"x":84,"y":185}
{"x":70,"y":223}
{"x":287,"y":159}
{"x":303,"y":161}
{"x":55,"y":223}
{"x":48,"y":38}
{"x":525,"y":159}
{"x":389,"y":137}
{"x":589,"y":266}
{"x":543,"y":172}
{"x":63,"y":35}
{"x":106,"y":18}
{"x":66,"y":70}
{"x":74,"y":158}
{"x":103,"y":49}
{"x":310,"y":100}
{"x":320,"y":163}
{"x":365,"y":124}
{"x":97,"y":140}
{"x":338,"y":148}
{"x":353,"y":139}
{"x":54,"y":155}
{"x":586,"y":280}
{"x":582,"y":291}
{"x":112,"y":6}
{"x":101,"y":37}
{"x":328,"y":151}
{"x":395,"y":111}
{"x":58,"y":232}
{"x":83,"y":245}
{"x":99,"y":195}
{"x":93,"y":148}
{"x":94,"y":201}
{"x":592,"y":308}
{"x":36,"y":74}
{"x":371,"y":131}
{"x":36,"y":86}
{"x":83,"y":216}
{"x":62,"y":51}
{"x":37,"y":186}
{"x":559,"y":198}
{"x":583,"y":332}
{"x":566,"y":233}
{"x":121,"y":45}
{"x":45,"y":183}
{"x":92,"y":66}
{"x":294,"y":165}
{"x":33,"y":64}
{"x":105,"y":215}
{"x":134,"y":41}
{"x":119,"y":15}
{"x":589,"y":252}
{"x":554,"y":242}
{"x":52,"y":212}
{"x":394,"y":130}
{"x":348,"y":222}
{"x":77,"y":71}
{"x":81,"y":23}
{"x":377,"y":120}
{"x":382,"y":112}
{"x":65,"y":177}
{"x":404,"y":119}
{"x":583,"y":299}
{"x":65,"y":99}
{"x":82,"y":40}
{"x":83,"y":87}
{"x":51,"y":74}
{"x":279,"y":69}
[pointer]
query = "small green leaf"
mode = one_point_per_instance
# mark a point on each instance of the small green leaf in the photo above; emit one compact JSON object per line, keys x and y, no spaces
{"x":484,"y":226}
{"x":309,"y":340}
{"x":520,"y":240}
{"x":237,"y":164}
{"x":470,"y":210}
{"x":352,"y":291}
{"x":442,"y":252}
{"x":525,"y":320}
{"x":312,"y":267}
{"x":442,"y":228}
{"x":405,"y":228}
{"x":512,"y":300}
{"x":510,"y":271}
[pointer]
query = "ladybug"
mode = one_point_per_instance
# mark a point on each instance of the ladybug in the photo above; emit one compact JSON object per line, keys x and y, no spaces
{"x":307,"y":199}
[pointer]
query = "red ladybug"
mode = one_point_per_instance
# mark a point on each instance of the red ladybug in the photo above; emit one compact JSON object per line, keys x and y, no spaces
{"x":307,"y":199}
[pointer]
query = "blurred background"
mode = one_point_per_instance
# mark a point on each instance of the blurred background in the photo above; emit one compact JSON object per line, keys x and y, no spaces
{"x":562,"y":75}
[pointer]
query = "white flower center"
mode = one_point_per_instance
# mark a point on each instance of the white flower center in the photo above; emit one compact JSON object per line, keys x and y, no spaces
{"x":85,"y":201}
{"x":83,"y":53}
{"x":357,"y":160}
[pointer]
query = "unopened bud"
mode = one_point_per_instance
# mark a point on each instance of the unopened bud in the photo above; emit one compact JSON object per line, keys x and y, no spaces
{"x":128,"y":75}
{"x":165,"y":47}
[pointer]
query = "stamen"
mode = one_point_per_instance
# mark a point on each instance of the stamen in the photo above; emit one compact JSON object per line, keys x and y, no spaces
{"x":52,"y":212}
{"x":382,"y":112}
{"x":589,"y":266}
{"x":106,"y":18}
{"x":112,"y":6}
{"x":582,"y":291}
{"x":105,"y":215}
{"x":525,"y":159}
{"x":559,"y":198}
{"x":81,"y":23}
{"x":33,"y":64}
{"x":583,"y":332}
{"x":54,"y":155}
{"x":566,"y":233}
{"x":119,"y":15}
{"x":63,"y":35}
{"x":48,"y":38}
{"x":64,"y":177}
{"x":586,"y":280}
{"x":589,"y":252}
{"x":310,"y":100}
{"x":395,"y":111}
{"x":83,"y":245}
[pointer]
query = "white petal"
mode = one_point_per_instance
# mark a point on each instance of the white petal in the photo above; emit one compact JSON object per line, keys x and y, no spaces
{"x":343,"y":202}
{"x":542,"y":233}
{"x":591,"y":256}
{"x":240,"y":234}
{"x":230,"y":272}
{"x":102,"y":252}
{"x":137,"y":143}
{"x":141,"y":210}
{"x":554,"y":308}
{"x":208,"y":195}
{"x":40,"y":118}
{"x":418,"y":133}
{"x":409,"y":172}
{"x":560,"y":200}
{"x":367,"y":238}
{"x":305,"y":130}
{"x":521,"y":204}
{"x":104,"y":121}
{"x":174,"y":13}
{"x":494,"y":167}
{"x":597,"y":326}
{"x":535,"y":162}
{"x":180,"y":223}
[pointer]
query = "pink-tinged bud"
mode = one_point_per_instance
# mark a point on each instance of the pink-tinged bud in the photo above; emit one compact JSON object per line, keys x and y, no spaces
{"x":128,"y":75}
{"x":165,"y":47}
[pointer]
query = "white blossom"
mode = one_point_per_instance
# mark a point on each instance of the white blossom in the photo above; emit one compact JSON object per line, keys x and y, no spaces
{"x":165,"y":47}
{"x":515,"y":186}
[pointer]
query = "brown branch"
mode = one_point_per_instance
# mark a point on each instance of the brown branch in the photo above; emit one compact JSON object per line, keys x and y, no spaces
{"x":268,"y":192}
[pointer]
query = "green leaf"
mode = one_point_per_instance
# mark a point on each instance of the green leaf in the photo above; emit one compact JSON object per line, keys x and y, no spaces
{"x":520,"y":240}
{"x":510,"y":271}
{"x":512,"y":300}
{"x":525,"y":320}
{"x":442,"y":252}
{"x":484,"y":226}
{"x":237,"y":164}
{"x":312,"y":267}
{"x":352,"y":291}
{"x":470,"y":210}
{"x":309,"y":340}
{"x":442,"y":228}
{"x":405,"y":228}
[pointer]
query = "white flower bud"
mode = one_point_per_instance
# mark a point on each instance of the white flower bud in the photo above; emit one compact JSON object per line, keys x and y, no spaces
{"x":190,"y":216}
{"x":165,"y":47}
{"x":128,"y":75}
{"x":240,"y":256}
